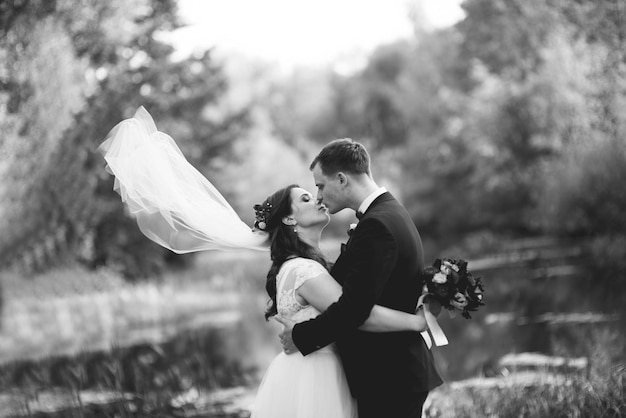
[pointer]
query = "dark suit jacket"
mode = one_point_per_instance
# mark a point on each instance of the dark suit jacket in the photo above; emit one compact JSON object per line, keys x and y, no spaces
{"x":381,"y":264}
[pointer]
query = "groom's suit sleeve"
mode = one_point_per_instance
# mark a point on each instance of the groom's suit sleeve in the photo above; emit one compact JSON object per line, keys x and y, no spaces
{"x":374,"y":252}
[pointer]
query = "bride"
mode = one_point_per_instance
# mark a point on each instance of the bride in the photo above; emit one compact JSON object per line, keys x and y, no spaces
{"x":178,"y":208}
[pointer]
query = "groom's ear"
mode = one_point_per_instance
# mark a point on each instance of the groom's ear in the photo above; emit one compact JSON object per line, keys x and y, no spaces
{"x":342,"y":178}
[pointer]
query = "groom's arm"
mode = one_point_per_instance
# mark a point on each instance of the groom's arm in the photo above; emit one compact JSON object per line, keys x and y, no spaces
{"x":374,"y":251}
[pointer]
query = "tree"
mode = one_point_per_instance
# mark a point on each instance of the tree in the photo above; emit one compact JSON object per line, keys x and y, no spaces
{"x":481,"y":115}
{"x":107,"y":60}
{"x":539,"y":77}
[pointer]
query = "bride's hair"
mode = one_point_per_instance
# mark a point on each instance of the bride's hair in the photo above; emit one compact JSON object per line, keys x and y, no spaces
{"x":284,"y":241}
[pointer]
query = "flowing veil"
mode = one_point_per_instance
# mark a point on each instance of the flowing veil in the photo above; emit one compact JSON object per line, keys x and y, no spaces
{"x":174,"y":204}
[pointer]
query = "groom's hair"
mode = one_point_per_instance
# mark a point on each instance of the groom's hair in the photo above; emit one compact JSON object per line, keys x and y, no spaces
{"x":344,"y":155}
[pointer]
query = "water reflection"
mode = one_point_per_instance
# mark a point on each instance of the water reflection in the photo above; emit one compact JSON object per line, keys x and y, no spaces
{"x":133,"y":349}
{"x":186,"y":372}
{"x":35,"y":328}
{"x":537,"y":300}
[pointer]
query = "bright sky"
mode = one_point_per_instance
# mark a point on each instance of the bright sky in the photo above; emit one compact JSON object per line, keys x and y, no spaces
{"x":303,"y":33}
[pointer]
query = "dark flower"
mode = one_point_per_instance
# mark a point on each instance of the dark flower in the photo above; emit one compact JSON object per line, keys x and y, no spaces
{"x":450,"y":282}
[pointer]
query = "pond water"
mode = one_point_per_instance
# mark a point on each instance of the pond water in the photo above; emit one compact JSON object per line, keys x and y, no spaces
{"x":540,"y":297}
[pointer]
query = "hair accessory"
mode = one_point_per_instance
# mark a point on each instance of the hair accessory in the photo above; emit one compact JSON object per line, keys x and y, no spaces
{"x":262,"y":213}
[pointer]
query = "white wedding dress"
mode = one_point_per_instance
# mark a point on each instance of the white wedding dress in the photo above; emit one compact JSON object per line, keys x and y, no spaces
{"x":295,"y":386}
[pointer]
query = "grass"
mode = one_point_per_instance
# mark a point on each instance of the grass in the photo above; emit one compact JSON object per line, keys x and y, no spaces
{"x":539,"y":396}
{"x":599,"y":391}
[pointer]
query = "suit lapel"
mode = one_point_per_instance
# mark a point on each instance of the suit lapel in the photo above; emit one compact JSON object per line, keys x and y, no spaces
{"x":344,"y":256}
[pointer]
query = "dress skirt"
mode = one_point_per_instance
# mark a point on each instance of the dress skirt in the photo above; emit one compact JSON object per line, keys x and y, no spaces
{"x":314,"y":386}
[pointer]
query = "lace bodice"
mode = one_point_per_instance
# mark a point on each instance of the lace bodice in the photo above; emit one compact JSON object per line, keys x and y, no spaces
{"x":293,"y":274}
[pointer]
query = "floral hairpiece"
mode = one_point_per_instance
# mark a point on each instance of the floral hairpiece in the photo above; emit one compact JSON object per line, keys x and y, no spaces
{"x":262,"y":213}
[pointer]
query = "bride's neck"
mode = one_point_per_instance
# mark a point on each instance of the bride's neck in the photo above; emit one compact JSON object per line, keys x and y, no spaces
{"x":311,"y":236}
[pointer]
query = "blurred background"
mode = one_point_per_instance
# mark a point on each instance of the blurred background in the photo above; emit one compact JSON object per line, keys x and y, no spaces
{"x":500,"y":125}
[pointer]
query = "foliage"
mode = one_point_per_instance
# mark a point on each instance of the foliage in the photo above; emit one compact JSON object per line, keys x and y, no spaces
{"x":507,"y":36}
{"x":64,"y":84}
{"x":490,"y":111}
{"x":485,"y":118}
{"x":599,"y":391}
{"x":145,"y":379}
{"x":510,"y":121}
{"x":585,"y":197}
{"x":580,"y":397}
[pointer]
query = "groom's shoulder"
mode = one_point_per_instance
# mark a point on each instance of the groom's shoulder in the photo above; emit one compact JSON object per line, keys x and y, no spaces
{"x":388,"y":204}
{"x":392,"y":211}
{"x":385,"y":201}
{"x":388,"y":214}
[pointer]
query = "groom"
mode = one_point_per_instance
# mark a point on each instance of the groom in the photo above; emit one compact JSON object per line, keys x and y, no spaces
{"x":390,"y":374}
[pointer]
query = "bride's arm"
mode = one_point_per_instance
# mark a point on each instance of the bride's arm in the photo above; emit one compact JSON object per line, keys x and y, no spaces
{"x":323,"y":290}
{"x":383,"y":319}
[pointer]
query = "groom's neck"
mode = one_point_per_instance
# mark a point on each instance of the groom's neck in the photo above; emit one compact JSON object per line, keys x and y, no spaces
{"x":362,"y":187}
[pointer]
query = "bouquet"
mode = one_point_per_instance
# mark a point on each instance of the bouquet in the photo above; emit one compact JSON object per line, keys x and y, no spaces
{"x":450,"y":283}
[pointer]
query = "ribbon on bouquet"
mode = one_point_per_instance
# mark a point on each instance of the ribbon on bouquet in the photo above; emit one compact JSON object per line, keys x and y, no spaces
{"x":433,"y":326}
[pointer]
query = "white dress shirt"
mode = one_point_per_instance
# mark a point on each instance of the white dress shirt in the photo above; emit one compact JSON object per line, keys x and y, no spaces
{"x":369,"y":199}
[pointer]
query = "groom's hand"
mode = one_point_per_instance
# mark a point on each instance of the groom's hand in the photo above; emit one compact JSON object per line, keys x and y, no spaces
{"x":285,"y":336}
